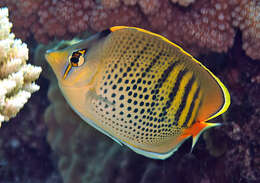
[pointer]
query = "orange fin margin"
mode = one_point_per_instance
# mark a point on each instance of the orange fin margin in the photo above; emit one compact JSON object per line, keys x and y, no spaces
{"x":195,"y":131}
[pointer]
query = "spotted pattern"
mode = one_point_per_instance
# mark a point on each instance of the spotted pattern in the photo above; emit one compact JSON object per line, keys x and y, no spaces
{"x":147,"y":90}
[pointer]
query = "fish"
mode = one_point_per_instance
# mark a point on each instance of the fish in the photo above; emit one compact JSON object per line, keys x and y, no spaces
{"x":140,"y":89}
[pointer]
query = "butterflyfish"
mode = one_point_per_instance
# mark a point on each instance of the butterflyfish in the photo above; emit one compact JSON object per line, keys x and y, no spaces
{"x":140,"y":89}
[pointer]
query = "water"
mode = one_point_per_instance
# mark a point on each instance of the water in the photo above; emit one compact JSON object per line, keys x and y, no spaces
{"x":48,"y":143}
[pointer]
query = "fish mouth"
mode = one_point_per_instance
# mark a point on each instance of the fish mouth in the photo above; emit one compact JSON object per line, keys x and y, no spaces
{"x":49,"y":56}
{"x":57,"y":59}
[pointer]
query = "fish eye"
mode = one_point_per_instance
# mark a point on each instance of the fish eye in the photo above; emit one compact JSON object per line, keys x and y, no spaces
{"x":77,"y":58}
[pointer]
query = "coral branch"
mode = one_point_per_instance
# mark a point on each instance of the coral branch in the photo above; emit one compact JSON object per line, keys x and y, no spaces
{"x":16,"y":77}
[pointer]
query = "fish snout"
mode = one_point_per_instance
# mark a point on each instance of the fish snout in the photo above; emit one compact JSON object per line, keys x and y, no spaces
{"x":57,"y":61}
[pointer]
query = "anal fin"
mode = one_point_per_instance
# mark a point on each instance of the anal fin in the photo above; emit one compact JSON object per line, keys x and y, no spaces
{"x":196,"y":130}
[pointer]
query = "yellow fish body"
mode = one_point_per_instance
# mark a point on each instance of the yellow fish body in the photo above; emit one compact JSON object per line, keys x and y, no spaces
{"x":139,"y":88}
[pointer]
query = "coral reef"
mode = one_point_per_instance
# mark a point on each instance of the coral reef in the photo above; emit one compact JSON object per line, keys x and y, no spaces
{"x":16,"y":77}
{"x":247,"y":18}
{"x":25,"y":156}
{"x":243,"y":129}
{"x":199,"y":26}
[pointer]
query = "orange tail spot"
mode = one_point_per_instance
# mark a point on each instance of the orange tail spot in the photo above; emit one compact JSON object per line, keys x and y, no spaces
{"x":195,"y":131}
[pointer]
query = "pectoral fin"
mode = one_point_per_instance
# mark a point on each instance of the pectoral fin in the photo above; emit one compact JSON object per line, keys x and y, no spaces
{"x":91,"y":94}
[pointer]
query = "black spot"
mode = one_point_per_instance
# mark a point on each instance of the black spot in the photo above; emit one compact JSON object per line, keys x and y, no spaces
{"x":114,"y":87}
{"x":113,"y":95}
{"x":130,"y":93}
{"x":119,"y":80}
{"x":121,"y":97}
{"x":104,"y":33}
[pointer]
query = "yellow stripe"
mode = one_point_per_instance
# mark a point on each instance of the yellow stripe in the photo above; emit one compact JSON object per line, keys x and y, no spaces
{"x":82,"y":51}
{"x":171,"y":81}
{"x":195,"y":109}
{"x":188,"y":104}
{"x":225,"y":92}
{"x":67,"y":70}
{"x":178,"y":98}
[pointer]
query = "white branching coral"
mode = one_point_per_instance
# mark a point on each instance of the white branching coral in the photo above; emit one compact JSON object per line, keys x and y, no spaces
{"x":16,"y":77}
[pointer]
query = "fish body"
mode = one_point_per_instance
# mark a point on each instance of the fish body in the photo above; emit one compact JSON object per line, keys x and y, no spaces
{"x":140,"y":89}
